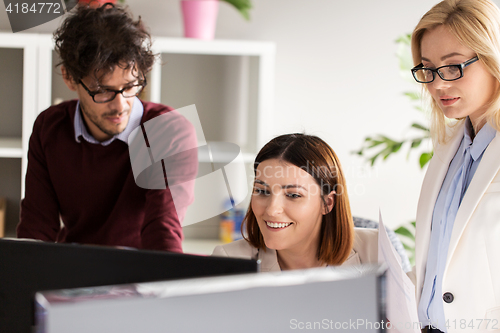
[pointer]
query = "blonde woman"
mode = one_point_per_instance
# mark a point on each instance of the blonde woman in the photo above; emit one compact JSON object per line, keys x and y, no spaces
{"x":299,"y":216}
{"x":456,"y":52}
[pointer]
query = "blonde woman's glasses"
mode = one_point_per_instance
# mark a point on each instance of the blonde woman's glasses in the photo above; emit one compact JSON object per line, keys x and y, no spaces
{"x":446,"y":73}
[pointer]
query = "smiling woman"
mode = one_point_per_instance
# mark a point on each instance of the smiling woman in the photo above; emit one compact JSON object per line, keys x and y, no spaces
{"x":299,"y":216}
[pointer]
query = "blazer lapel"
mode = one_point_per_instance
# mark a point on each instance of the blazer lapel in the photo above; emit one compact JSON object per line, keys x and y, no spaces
{"x":353,"y":259}
{"x":433,"y":180}
{"x":486,"y":171}
{"x":269,"y":261}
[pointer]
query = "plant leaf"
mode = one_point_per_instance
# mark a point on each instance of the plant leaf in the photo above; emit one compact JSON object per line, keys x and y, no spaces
{"x":415,"y":143}
{"x":408,"y":247}
{"x":243,"y":6}
{"x":403,"y":231}
{"x":424,"y":159}
{"x":420,"y":127}
{"x":386,"y":139}
{"x":375,"y":143}
{"x":412,"y":95}
{"x":404,"y":39}
{"x":397,"y":147}
{"x":372,"y":159}
{"x":385,"y":153}
{"x":357,"y":152}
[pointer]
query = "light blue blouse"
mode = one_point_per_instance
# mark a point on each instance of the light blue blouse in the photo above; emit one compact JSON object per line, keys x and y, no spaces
{"x":460,"y":173}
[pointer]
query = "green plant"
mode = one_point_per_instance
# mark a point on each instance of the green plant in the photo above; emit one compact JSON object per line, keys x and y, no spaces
{"x":243,"y":6}
{"x":381,"y":146}
{"x":406,"y":234}
{"x":70,"y":4}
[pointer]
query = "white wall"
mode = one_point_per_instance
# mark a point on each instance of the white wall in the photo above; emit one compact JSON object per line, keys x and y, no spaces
{"x":336,"y":77}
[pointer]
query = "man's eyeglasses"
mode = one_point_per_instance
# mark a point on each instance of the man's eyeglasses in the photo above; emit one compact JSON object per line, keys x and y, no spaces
{"x":107,"y":95}
{"x":446,"y":73}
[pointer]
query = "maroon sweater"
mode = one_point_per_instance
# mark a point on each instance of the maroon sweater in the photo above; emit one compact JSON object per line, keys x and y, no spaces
{"x":91,"y":188}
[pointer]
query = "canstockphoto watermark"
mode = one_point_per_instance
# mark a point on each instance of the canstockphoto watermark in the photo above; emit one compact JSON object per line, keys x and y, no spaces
{"x":350,"y":325}
{"x":164,"y":153}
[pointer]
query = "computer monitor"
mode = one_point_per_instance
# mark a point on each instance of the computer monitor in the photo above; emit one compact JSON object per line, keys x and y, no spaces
{"x":27,"y":267}
{"x":341,"y":298}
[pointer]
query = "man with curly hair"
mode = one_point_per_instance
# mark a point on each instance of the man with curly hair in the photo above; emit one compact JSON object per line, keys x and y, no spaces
{"x":80,"y":186}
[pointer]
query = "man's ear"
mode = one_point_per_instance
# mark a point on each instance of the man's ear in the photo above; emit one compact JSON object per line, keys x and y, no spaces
{"x":329,"y":201}
{"x":68,"y":79}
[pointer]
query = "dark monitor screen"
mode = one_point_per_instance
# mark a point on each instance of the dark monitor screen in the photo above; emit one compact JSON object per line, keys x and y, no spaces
{"x":28,"y":266}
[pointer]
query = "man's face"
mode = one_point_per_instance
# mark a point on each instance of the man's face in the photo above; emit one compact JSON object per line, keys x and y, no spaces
{"x":104,"y":120}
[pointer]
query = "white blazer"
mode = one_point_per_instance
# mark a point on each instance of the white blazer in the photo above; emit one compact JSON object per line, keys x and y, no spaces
{"x":365,"y":251}
{"x":472,"y":272}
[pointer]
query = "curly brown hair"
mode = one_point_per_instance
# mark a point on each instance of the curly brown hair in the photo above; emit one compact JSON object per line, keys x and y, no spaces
{"x":93,"y":41}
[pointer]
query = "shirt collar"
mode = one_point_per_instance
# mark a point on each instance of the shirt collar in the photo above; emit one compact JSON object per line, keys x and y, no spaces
{"x":133,"y":122}
{"x":481,"y":140}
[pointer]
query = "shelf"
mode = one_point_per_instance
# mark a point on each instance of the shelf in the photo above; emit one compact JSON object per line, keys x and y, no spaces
{"x":17,"y":40}
{"x":200,"y":246}
{"x":230,"y":81}
{"x":218,"y":47}
{"x":246,"y":84}
{"x":11,"y":148}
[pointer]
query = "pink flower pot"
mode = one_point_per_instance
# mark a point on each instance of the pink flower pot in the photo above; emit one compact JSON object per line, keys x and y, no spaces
{"x":200,"y":18}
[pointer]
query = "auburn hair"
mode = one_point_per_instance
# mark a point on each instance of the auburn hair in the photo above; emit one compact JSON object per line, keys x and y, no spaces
{"x":317,"y":158}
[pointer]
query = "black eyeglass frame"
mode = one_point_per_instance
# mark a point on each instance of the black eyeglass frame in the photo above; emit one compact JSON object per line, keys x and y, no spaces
{"x":93,"y":93}
{"x":461,"y":67}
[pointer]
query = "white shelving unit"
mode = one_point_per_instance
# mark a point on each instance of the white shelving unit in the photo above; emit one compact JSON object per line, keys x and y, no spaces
{"x":264,"y":51}
{"x":231,"y":83}
{"x":15,"y":147}
{"x":11,"y":148}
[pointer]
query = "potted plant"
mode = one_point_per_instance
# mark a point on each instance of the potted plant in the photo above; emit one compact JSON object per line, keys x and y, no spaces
{"x":200,"y":16}
{"x":243,"y":6}
{"x":381,"y":146}
{"x":70,"y":4}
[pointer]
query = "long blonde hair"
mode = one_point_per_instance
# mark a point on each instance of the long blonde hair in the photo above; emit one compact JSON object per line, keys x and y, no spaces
{"x":476,"y":25}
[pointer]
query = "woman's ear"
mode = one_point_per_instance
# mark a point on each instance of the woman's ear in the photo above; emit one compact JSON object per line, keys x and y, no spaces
{"x":329,"y":202}
{"x":70,"y":83}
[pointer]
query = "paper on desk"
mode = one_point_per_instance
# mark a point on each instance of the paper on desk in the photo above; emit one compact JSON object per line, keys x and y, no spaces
{"x":400,"y":291}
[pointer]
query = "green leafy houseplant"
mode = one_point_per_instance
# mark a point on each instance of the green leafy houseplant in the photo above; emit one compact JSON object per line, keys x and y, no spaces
{"x":70,"y":4}
{"x":380,"y":146}
{"x":243,"y":6}
{"x":406,"y":234}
